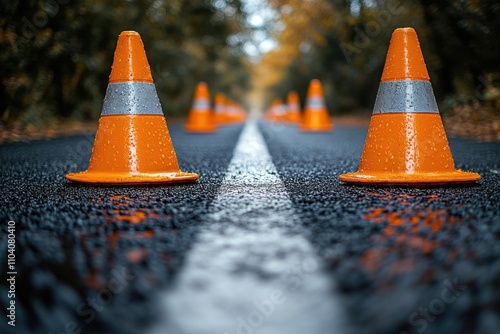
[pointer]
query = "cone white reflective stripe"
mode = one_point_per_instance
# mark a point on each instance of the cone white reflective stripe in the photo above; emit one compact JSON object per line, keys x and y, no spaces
{"x":293,"y":106}
{"x":315,"y":103}
{"x":131,"y":98}
{"x":201,"y":104}
{"x":405,"y":96}
{"x":231,"y":110}
{"x":280,"y":108}
{"x":220,"y":109}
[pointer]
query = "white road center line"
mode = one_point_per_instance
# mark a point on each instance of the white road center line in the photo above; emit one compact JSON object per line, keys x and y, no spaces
{"x":251,"y":270}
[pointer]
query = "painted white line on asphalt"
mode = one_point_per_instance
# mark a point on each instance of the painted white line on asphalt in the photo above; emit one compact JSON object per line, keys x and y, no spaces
{"x":251,"y":270}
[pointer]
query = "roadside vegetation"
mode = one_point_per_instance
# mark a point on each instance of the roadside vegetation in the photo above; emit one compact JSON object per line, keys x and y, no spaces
{"x":55,"y":55}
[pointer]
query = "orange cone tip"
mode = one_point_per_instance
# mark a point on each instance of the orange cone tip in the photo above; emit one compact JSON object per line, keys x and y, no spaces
{"x":406,"y":142}
{"x":132,"y":145}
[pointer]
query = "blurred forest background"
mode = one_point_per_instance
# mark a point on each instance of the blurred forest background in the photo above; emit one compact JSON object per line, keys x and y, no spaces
{"x":56,"y":54}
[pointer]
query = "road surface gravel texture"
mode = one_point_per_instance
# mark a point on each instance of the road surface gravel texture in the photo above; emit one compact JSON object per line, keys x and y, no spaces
{"x":317,"y":255}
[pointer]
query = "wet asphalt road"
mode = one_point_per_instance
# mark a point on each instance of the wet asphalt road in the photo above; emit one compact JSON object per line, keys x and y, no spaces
{"x":316,"y":256}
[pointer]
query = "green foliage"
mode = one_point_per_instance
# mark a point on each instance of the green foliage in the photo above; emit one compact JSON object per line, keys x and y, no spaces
{"x":55,"y":55}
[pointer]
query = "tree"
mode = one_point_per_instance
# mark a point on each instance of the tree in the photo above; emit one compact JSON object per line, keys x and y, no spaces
{"x":56,"y":55}
{"x":344,"y":43}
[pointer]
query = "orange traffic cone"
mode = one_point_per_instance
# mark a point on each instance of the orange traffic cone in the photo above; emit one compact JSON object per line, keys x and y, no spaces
{"x":293,"y":105}
{"x":316,"y":117}
{"x":221,"y":116}
{"x":269,"y":114}
{"x":276,"y":111}
{"x":132,"y":144}
{"x":201,"y":119}
{"x":406,"y":142}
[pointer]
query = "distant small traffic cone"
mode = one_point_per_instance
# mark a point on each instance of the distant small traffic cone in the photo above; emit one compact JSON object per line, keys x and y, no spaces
{"x":132,"y":144}
{"x":201,"y":119}
{"x":276,"y":111}
{"x":220,"y":109}
{"x":316,"y":117}
{"x":406,"y":142}
{"x":235,"y":112}
{"x":293,"y":107}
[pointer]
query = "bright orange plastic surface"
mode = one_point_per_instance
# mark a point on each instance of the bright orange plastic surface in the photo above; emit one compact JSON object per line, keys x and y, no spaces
{"x":201,"y":120}
{"x":130,"y":62}
{"x":315,"y":88}
{"x":407,"y":148}
{"x":132,"y":149}
{"x":202,"y":91}
{"x":404,"y":57}
{"x":315,"y":120}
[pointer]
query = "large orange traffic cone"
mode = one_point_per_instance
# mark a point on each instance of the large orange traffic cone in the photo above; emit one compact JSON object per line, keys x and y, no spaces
{"x":132,"y":144}
{"x":201,"y":119}
{"x":406,"y":142}
{"x":316,"y":117}
{"x":293,"y":107}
